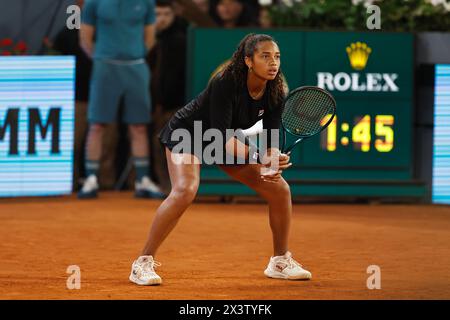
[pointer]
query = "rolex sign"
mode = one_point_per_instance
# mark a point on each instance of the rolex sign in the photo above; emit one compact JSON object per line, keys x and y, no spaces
{"x":361,"y":64}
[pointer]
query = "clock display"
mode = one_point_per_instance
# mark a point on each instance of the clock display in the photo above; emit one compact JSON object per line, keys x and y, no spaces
{"x":363,"y":135}
{"x":359,"y":134}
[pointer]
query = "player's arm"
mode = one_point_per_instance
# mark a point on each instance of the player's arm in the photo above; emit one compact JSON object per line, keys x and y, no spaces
{"x":87,"y":33}
{"x":149,"y":36}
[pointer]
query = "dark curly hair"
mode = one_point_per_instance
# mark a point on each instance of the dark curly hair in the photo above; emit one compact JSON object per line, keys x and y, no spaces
{"x":237,"y":70}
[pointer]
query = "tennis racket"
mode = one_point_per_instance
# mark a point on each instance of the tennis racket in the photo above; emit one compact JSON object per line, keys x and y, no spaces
{"x":307,"y":111}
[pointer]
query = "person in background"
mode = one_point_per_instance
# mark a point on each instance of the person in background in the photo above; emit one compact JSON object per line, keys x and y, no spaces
{"x":167,"y":62}
{"x":194,"y":12}
{"x":203,"y":5}
{"x":233,"y":13}
{"x":265,"y":20}
{"x":124,"y":33}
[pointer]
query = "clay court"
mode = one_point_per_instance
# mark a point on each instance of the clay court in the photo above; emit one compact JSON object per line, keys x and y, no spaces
{"x":219,"y":251}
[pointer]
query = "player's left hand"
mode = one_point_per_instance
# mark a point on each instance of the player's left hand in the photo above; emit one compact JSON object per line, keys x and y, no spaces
{"x":276,"y":160}
{"x":275,"y":166}
{"x":284,"y":161}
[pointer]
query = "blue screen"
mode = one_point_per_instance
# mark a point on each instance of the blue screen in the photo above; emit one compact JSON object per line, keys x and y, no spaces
{"x":441,"y":145}
{"x":36,"y":125}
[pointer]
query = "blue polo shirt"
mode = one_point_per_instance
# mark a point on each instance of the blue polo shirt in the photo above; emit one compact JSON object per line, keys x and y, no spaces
{"x":119,"y":26}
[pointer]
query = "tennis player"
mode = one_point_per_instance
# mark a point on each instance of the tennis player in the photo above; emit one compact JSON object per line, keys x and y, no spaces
{"x":249,"y":89}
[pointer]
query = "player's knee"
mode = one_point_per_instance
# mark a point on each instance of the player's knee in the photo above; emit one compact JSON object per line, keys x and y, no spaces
{"x":185,"y":192}
{"x":284,"y":188}
{"x":279,"y":190}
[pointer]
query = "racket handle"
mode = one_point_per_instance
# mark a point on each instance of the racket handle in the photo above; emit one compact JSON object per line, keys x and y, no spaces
{"x":292,"y":146}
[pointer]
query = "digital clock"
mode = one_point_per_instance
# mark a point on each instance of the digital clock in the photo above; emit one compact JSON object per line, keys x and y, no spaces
{"x":357,"y":135}
{"x":362,"y":136}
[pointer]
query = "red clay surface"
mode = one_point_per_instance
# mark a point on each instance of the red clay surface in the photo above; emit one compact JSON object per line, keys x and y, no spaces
{"x":219,"y":251}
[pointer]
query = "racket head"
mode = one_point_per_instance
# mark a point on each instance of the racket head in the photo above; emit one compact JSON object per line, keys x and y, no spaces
{"x":307,"y":111}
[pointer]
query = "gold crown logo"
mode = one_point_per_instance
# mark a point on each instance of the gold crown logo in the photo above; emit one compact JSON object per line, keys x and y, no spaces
{"x":358,"y":53}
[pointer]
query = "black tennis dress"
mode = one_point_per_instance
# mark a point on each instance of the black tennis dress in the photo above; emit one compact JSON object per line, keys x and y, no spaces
{"x":222,"y":105}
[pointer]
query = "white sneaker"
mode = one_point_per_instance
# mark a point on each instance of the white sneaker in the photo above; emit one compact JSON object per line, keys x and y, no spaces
{"x":143,"y":272}
{"x":146,"y":188}
{"x":89,"y":189}
{"x":285,"y":267}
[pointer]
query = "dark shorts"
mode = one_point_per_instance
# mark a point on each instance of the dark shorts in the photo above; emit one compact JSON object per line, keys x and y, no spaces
{"x":171,"y":141}
{"x":175,"y":142}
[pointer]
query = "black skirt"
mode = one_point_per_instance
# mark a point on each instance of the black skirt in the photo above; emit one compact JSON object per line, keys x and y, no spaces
{"x":169,"y":141}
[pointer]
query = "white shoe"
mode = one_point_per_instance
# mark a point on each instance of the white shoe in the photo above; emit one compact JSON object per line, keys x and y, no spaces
{"x":89,"y":189}
{"x":285,"y":267}
{"x":146,"y":188}
{"x":143,"y":272}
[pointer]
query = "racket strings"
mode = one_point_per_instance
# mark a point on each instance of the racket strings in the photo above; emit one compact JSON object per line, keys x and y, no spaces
{"x":306,"y":110}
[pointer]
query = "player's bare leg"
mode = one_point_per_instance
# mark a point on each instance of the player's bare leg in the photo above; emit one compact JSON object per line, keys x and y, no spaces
{"x":278,"y":196}
{"x":185,"y":177}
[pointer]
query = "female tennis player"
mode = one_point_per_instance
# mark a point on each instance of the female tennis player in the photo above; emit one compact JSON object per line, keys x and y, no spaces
{"x":250,"y":88}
